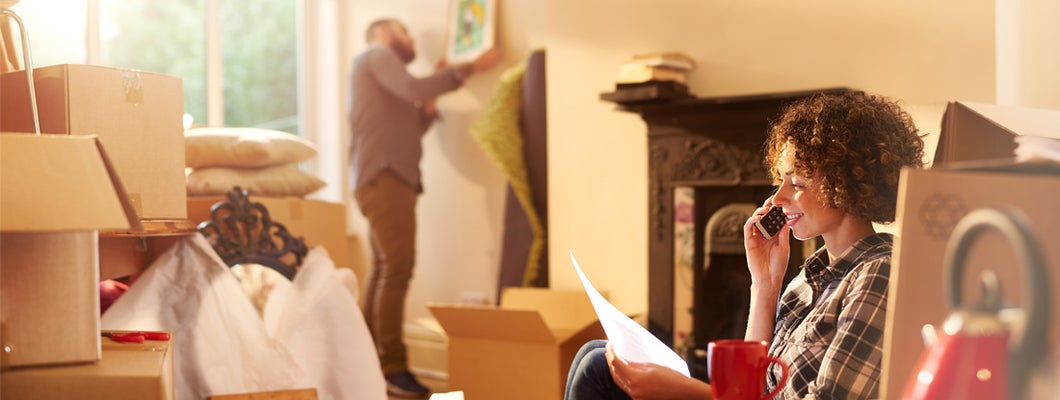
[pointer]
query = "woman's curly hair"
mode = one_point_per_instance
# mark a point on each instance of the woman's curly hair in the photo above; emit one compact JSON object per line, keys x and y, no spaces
{"x":853,"y":144}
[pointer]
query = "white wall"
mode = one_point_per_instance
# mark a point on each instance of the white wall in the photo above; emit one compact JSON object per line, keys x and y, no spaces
{"x":461,"y":211}
{"x":923,"y":53}
{"x":1040,"y":52}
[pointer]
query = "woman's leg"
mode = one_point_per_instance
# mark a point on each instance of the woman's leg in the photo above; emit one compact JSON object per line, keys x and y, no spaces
{"x":589,"y":377}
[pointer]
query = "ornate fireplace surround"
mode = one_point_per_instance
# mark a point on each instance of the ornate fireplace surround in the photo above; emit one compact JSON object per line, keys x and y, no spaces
{"x":711,"y":148}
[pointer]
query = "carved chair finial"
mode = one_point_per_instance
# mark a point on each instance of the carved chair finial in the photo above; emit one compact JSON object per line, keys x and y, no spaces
{"x":241,"y":231}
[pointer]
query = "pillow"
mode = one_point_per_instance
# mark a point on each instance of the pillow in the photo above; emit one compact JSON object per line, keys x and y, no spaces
{"x":272,"y":181}
{"x":243,"y":147}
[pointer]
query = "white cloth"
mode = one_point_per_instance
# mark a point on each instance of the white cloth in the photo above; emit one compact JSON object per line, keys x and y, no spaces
{"x":312,"y":335}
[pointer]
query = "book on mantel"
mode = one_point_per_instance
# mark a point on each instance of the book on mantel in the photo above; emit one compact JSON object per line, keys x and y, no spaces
{"x":638,"y":73}
{"x":652,"y":77}
{"x":666,"y":59}
{"x":647,"y":92}
{"x":667,"y":66}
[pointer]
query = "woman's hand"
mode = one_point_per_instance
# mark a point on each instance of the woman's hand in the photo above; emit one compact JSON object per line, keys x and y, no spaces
{"x":767,"y":259}
{"x":647,"y":381}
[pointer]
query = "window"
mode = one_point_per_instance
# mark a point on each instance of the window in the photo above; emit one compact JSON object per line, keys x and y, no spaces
{"x":258,"y":64}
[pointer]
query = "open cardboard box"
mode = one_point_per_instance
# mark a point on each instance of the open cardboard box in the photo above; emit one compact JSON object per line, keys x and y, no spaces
{"x":931,"y":202}
{"x":137,"y":115}
{"x":127,"y":371}
{"x":57,"y":192}
{"x":520,"y":350}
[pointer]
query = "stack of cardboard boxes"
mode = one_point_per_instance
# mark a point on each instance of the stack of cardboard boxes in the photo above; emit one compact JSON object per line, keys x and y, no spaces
{"x":111,"y":159}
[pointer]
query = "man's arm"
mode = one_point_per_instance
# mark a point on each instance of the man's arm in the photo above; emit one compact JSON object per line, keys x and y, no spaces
{"x":391,"y":73}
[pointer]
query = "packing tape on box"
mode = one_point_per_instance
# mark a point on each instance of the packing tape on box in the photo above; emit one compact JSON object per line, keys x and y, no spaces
{"x":133,"y":84}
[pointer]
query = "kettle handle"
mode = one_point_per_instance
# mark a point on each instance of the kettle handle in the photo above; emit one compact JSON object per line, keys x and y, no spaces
{"x":1015,"y":228}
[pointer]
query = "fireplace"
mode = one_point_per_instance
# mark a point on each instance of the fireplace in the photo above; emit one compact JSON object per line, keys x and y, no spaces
{"x":705,"y":168}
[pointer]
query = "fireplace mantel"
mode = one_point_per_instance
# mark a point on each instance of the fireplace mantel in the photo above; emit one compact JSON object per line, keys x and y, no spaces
{"x":712,"y":145}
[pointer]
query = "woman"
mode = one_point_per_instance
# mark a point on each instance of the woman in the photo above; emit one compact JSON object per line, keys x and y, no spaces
{"x":836,"y":160}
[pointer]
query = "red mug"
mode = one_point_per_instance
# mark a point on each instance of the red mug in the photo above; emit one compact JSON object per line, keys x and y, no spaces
{"x":738,"y":369}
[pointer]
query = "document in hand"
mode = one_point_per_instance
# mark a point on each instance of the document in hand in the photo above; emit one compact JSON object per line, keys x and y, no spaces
{"x":630,"y":341}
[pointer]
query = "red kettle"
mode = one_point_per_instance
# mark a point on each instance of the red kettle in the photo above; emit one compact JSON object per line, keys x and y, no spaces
{"x":972,"y":358}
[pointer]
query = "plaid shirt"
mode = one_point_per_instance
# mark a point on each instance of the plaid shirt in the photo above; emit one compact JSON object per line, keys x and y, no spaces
{"x":830,"y":324}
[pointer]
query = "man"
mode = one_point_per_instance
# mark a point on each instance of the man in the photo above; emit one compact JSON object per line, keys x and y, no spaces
{"x":390,"y":110}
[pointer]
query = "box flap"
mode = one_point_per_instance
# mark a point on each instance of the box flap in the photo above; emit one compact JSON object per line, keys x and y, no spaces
{"x":977,"y":131}
{"x":1020,"y":120}
{"x":562,"y":310}
{"x":592,"y":330}
{"x":492,"y":323}
{"x":59,"y":183}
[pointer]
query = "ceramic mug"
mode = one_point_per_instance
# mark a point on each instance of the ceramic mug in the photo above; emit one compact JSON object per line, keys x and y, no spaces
{"x":738,"y":369}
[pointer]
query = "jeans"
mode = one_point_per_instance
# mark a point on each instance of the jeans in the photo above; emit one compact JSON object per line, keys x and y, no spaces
{"x":589,"y":377}
{"x":390,"y":207}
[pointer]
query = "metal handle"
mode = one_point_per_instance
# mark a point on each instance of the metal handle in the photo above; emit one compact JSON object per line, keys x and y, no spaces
{"x":29,"y":66}
{"x":1015,"y":228}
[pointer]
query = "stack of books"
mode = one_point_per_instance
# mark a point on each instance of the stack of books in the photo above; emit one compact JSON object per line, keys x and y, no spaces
{"x":652,"y":77}
{"x":656,"y":67}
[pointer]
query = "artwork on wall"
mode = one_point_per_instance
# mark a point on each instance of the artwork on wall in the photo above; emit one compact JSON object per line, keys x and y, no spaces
{"x":471,"y":29}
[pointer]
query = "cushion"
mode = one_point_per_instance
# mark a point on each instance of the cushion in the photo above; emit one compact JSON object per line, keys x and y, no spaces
{"x":244,"y":147}
{"x":277,"y":181}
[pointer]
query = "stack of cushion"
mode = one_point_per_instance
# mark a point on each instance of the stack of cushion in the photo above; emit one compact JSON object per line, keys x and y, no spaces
{"x":261,"y":161}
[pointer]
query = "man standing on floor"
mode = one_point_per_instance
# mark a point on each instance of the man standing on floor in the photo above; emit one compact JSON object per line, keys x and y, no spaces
{"x":390,"y":110}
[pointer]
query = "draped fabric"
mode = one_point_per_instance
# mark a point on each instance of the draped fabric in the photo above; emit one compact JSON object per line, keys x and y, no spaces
{"x":499,"y":134}
{"x":311,"y":333}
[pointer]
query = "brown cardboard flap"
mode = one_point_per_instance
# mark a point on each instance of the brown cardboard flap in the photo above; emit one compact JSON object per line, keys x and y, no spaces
{"x":1019,"y":120}
{"x":492,"y":323}
{"x":59,"y":183}
{"x":978,"y":131}
{"x":562,"y":310}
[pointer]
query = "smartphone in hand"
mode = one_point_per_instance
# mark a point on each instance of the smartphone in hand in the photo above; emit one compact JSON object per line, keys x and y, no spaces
{"x":771,"y":222}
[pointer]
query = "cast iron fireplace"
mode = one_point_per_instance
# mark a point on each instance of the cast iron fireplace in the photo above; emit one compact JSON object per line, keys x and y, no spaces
{"x":709,"y":152}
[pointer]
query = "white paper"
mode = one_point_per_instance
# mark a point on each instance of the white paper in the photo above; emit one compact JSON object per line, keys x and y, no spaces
{"x":448,"y":396}
{"x":630,"y":341}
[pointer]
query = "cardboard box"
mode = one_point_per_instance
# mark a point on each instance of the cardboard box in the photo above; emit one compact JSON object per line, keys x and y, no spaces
{"x":127,"y":371}
{"x":520,"y":350}
{"x":977,"y":131}
{"x":930,"y":204}
{"x":49,"y":293}
{"x":137,"y":115}
{"x":123,"y":255}
{"x":318,"y":222}
{"x":59,"y":183}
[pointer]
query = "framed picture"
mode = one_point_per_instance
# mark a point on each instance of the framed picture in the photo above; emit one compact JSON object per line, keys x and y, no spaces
{"x":471,"y":29}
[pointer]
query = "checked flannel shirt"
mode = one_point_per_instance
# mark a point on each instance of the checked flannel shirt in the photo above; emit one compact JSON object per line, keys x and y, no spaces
{"x":830,"y":324}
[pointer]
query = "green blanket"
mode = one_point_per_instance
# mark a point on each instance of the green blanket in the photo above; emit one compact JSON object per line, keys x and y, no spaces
{"x":497,"y":131}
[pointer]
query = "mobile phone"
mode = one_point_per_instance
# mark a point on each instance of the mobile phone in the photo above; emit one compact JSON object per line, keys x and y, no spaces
{"x":771,"y":222}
